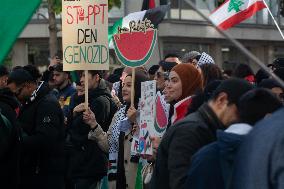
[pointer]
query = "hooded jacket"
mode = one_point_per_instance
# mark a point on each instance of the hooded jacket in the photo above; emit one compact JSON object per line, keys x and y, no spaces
{"x":42,"y":158}
{"x":178,"y":145}
{"x":212,"y":166}
{"x":9,"y":145}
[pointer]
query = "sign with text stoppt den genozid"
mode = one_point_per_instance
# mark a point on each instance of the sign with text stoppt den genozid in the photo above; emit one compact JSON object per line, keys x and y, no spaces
{"x":84,"y":35}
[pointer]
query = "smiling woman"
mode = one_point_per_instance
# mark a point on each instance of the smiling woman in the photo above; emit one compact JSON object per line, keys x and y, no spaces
{"x":184,"y":81}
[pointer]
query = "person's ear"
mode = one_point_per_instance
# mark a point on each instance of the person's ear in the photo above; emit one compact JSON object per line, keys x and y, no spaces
{"x":97,"y":77}
{"x":66,"y":76}
{"x":222,"y":100}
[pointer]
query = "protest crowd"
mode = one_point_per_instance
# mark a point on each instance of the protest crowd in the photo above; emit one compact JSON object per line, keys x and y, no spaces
{"x":223,"y":128}
{"x":169,"y":122}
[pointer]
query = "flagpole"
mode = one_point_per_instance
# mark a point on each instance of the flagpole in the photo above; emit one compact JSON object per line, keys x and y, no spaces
{"x":238,"y":45}
{"x":273,"y":19}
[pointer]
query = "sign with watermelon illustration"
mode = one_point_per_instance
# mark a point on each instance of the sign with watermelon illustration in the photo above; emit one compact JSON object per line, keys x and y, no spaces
{"x":161,"y":116}
{"x":134,"y":45}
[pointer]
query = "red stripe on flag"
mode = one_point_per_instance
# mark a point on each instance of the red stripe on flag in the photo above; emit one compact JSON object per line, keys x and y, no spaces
{"x":241,"y":16}
{"x":152,"y":4}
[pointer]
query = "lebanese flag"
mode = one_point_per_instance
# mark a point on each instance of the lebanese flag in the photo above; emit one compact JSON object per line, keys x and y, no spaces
{"x":233,"y":12}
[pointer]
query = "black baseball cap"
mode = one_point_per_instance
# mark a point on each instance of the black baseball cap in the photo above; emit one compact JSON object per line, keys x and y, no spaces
{"x":269,"y":84}
{"x":20,"y":76}
{"x":167,"y":66}
{"x":234,"y":88}
{"x":279,"y":63}
{"x":3,"y":71}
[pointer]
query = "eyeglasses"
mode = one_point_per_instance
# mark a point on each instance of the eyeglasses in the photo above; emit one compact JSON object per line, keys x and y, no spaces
{"x":163,"y":74}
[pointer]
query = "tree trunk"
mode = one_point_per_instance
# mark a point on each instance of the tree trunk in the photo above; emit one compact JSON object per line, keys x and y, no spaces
{"x":53,"y":43}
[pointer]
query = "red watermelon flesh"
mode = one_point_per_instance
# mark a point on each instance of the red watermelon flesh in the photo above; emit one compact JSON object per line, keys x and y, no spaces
{"x":135,"y":45}
{"x":161,"y":118}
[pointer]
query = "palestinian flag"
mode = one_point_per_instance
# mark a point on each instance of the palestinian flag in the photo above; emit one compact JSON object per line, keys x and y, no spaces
{"x":148,"y":4}
{"x":155,"y":15}
{"x":14,"y":16}
{"x":233,"y":12}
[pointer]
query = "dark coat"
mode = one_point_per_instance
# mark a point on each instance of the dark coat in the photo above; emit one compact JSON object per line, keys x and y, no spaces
{"x":42,"y":163}
{"x":260,"y":160}
{"x":86,"y":159}
{"x":179,"y":144}
{"x":212,"y":166}
{"x":10,"y":145}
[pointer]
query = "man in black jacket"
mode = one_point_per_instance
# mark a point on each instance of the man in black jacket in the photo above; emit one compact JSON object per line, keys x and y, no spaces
{"x":196,"y":130}
{"x":87,"y":162}
{"x":41,"y":118}
{"x":9,"y":139}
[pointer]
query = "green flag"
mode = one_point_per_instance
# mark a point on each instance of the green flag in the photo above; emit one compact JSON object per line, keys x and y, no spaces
{"x":14,"y":16}
{"x":139,"y":182}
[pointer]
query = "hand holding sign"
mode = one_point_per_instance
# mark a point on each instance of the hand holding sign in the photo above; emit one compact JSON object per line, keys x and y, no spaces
{"x":79,"y":108}
{"x":90,"y":118}
{"x":131,"y":114}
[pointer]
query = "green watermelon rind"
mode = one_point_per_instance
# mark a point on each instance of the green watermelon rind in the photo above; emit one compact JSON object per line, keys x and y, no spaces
{"x":157,"y":126}
{"x":135,"y":63}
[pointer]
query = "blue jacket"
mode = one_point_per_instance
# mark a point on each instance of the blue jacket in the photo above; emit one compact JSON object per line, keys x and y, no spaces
{"x":212,"y":166}
{"x":260,"y":160}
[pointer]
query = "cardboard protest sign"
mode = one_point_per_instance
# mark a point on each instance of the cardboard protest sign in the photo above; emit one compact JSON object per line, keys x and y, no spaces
{"x":134,"y":45}
{"x":143,"y":145}
{"x":85,"y":35}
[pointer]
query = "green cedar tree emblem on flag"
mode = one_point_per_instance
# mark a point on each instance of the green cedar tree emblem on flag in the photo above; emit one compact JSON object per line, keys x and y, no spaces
{"x":235,"y":5}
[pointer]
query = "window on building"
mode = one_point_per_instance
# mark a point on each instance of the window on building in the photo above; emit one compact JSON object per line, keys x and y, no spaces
{"x":182,"y":48}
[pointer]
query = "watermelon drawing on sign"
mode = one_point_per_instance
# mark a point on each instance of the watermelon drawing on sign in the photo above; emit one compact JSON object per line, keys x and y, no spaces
{"x":161,"y":117}
{"x":135,"y":49}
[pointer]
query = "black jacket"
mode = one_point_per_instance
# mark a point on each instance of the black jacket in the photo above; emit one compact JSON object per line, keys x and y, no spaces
{"x":86,"y":159}
{"x":9,"y":145}
{"x":100,"y":103}
{"x":179,"y":144}
{"x":42,"y":164}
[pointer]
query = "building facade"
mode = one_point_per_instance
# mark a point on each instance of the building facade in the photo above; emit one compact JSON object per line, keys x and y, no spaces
{"x":182,"y":30}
